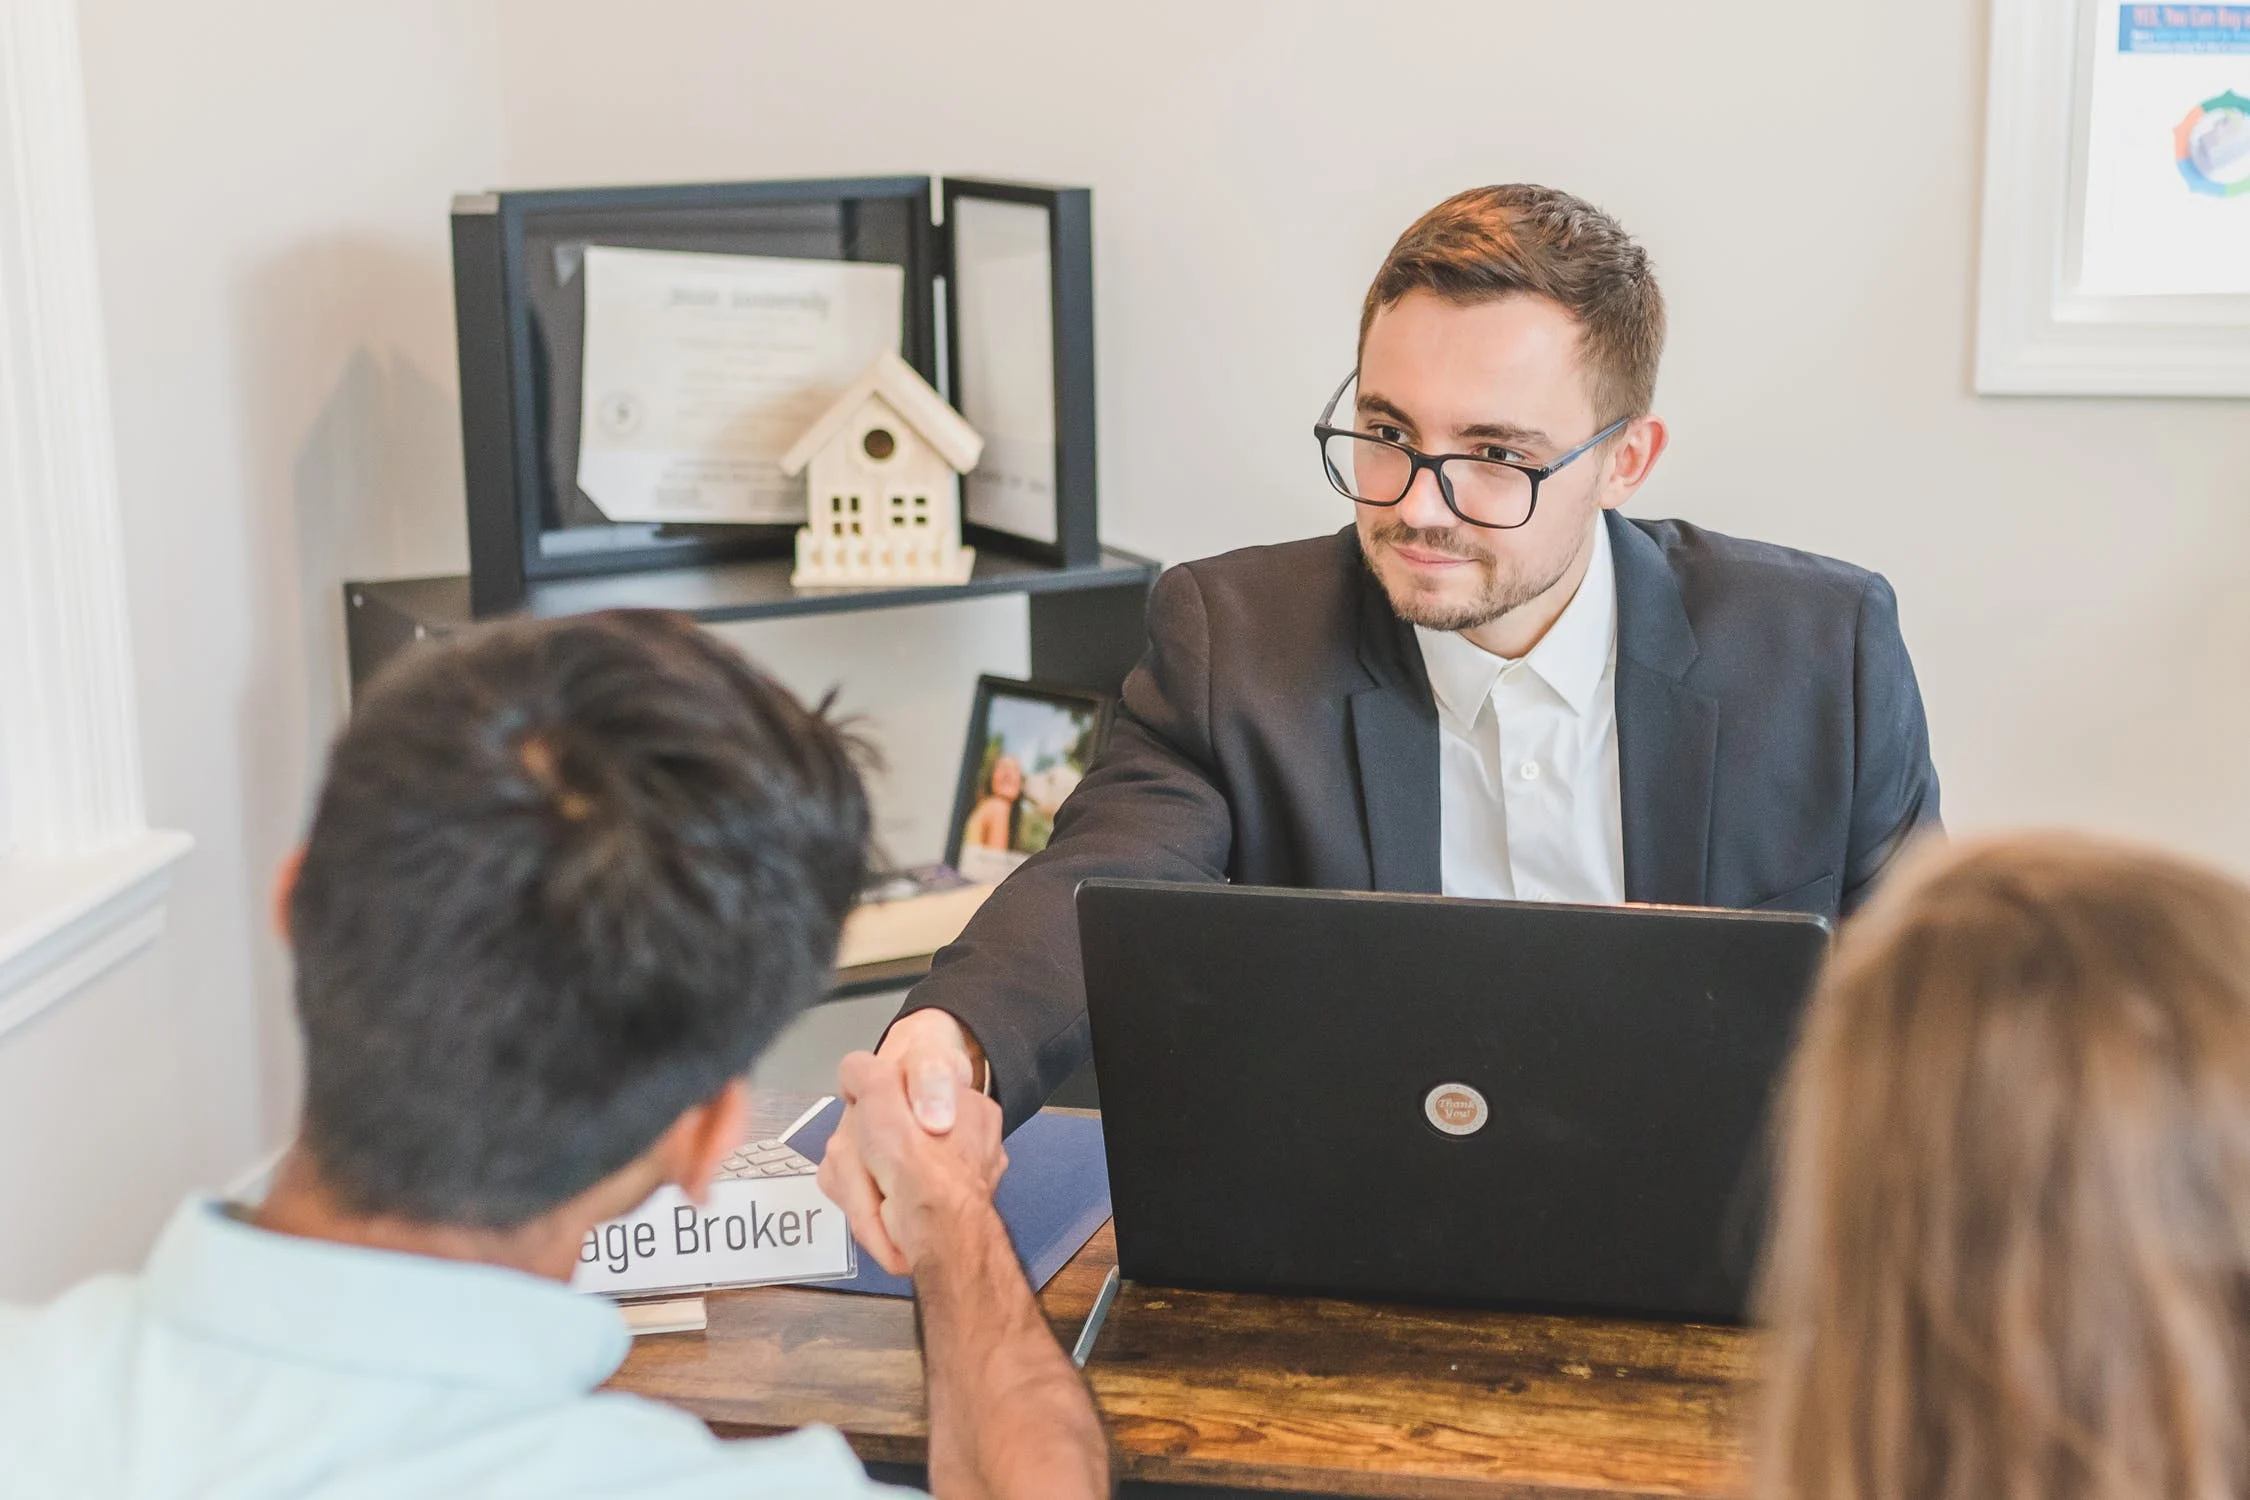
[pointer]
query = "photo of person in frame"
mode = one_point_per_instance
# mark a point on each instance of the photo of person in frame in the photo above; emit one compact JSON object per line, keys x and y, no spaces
{"x":1032,"y":748}
{"x":998,"y":818}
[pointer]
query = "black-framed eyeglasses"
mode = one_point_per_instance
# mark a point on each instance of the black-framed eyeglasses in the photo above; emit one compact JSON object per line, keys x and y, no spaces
{"x":1496,"y":493}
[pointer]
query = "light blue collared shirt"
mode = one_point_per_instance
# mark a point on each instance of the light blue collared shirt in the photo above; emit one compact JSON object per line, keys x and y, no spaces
{"x":243,"y":1364}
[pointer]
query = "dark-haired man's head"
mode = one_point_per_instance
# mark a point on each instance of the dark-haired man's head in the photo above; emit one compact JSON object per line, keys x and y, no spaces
{"x":1510,"y":323}
{"x":565,"y":881}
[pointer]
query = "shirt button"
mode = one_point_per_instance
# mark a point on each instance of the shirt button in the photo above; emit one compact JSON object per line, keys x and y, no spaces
{"x":1529,"y":770}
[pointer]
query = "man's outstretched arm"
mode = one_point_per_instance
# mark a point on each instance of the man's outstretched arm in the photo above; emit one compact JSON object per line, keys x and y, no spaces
{"x":1153,"y":807}
{"x":1009,"y":1416}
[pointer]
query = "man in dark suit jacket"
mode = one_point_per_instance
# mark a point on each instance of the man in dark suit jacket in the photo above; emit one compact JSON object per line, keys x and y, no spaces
{"x":1491,"y":684}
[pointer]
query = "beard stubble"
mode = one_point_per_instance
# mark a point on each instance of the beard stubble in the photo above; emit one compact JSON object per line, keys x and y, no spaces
{"x":1506,"y":586}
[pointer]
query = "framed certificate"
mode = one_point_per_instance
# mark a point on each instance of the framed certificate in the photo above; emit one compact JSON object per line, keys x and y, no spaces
{"x":521,"y":312}
{"x":634,"y":360}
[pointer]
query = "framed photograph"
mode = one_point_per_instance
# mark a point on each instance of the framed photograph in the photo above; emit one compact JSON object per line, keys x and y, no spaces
{"x":1029,"y":746}
{"x":1019,"y":323}
{"x":2116,"y":244}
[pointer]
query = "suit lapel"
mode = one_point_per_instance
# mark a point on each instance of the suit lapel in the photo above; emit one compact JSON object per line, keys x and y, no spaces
{"x":1667,"y":738}
{"x":1395,"y":741}
{"x":1667,"y":732}
{"x":1398,"y":787}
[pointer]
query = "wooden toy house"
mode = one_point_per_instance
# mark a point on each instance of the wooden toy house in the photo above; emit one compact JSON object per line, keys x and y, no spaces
{"x":883,"y":468}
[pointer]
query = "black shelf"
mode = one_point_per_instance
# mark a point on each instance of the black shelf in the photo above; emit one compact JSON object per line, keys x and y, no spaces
{"x":760,"y":588}
{"x":1087,"y":626}
{"x":874,"y":979}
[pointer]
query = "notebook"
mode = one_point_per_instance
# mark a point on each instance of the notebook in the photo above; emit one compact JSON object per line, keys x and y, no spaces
{"x":1054,"y":1196}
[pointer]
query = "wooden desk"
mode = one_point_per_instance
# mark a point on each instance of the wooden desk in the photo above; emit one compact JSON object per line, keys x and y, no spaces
{"x":1226,"y":1391}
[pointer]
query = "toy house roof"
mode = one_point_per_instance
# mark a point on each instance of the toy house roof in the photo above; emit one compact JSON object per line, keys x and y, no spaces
{"x":908,"y":394}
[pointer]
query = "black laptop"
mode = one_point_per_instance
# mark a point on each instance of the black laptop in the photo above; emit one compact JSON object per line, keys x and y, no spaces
{"x":1421,"y":1099}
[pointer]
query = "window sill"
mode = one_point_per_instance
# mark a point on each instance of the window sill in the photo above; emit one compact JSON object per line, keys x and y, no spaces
{"x":65,"y":921}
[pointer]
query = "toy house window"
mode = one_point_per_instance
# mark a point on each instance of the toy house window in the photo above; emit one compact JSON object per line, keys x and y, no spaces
{"x":878,"y":444}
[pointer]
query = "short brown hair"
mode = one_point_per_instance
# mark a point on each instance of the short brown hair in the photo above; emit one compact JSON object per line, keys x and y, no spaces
{"x":2012,"y":1238}
{"x":1489,"y":242}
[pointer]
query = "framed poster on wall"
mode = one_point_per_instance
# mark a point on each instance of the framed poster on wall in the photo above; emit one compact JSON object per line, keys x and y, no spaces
{"x":2116,"y":244}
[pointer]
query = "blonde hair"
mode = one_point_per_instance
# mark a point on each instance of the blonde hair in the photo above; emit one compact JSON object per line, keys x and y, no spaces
{"x":2012,"y":1234}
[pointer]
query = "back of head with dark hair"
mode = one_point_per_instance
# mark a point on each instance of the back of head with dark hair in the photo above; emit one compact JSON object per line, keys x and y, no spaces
{"x":566,"y":878}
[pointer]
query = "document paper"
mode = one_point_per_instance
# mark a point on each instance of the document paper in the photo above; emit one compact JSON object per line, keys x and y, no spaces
{"x":701,"y":370}
{"x":2168,"y":152}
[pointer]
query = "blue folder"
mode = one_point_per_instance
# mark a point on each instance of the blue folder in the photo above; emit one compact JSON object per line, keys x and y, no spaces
{"x":1053,"y":1197}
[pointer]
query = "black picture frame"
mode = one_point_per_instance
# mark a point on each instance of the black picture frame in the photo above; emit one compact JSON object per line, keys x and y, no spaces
{"x":517,"y":391}
{"x":1070,"y":249}
{"x":1100,"y":706}
{"x":518,"y":361}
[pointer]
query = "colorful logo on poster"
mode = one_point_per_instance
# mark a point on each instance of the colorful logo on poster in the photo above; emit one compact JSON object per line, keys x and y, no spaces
{"x":2212,"y":146}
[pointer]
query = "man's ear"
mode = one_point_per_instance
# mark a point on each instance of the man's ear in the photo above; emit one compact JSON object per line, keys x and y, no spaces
{"x":1631,"y":456}
{"x":284,"y":887}
{"x":703,"y":1136}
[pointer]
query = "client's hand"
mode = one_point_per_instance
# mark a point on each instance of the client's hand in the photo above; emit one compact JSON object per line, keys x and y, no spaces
{"x":932,"y":1050}
{"x":900,"y":1185}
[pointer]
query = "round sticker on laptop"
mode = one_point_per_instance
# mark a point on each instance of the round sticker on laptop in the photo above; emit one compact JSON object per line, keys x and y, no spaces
{"x":1456,"y":1109}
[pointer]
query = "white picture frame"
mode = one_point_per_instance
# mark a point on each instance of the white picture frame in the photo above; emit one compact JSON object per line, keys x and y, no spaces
{"x":2037,"y":334}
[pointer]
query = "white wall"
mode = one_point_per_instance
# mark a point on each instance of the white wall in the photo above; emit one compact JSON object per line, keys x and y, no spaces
{"x":2074,"y":575}
{"x":272,"y":178}
{"x":270,"y":187}
{"x":90,"y":1090}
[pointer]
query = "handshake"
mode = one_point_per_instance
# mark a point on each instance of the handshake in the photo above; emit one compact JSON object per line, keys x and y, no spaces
{"x":917,"y":1155}
{"x":913,"y":1164}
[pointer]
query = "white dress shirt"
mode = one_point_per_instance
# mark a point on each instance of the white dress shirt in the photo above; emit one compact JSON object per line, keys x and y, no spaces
{"x":1527,"y":755}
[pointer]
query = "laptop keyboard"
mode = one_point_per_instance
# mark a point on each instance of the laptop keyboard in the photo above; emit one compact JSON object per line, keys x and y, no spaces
{"x":767,"y":1159}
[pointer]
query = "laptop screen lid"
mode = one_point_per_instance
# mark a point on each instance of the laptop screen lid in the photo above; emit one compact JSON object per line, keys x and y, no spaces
{"x":1426,"y":1099}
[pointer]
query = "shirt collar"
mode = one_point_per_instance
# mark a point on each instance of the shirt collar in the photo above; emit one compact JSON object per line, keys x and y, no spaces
{"x":378,"y":1311}
{"x":1572,"y":657}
